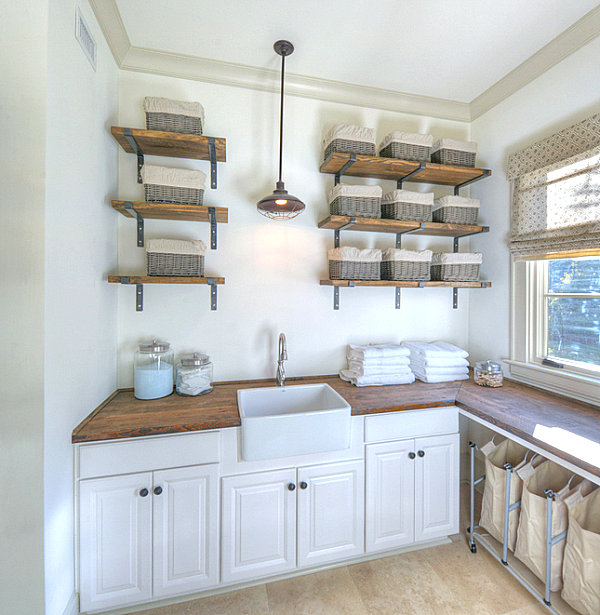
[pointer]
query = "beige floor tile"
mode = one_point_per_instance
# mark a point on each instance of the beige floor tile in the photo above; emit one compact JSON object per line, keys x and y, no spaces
{"x":330,"y":592}
{"x":405,"y":584}
{"x":533,"y":609}
{"x":251,"y":601}
{"x":478,"y":579}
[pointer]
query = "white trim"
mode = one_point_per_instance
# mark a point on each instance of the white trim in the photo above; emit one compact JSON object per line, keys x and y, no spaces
{"x":567,"y":42}
{"x":576,"y":386}
{"x":72,"y":607}
{"x":200,"y":69}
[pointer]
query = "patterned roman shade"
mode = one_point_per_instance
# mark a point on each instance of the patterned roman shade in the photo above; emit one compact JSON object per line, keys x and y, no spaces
{"x":556,"y":193}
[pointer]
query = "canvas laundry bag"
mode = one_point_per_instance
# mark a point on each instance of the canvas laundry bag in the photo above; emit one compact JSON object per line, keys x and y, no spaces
{"x":530,"y":547}
{"x":581,"y":565}
{"x":494,"y":493}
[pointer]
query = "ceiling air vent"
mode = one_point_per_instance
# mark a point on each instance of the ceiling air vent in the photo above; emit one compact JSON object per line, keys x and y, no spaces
{"x":85,"y":38}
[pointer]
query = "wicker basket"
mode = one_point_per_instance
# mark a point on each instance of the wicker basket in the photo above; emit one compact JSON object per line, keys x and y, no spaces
{"x":456,"y":210}
{"x":354,"y":270}
{"x":406,"y":211}
{"x":406,"y":264}
{"x":172,"y":257}
{"x":463,"y":272}
{"x":345,"y":146}
{"x":173,"y":122}
{"x":173,"y":194}
{"x":348,"y":139}
{"x":406,"y":151}
{"x":355,"y":206}
{"x":457,"y":153}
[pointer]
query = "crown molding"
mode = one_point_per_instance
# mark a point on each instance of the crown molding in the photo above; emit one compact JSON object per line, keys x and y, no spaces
{"x":239,"y":75}
{"x":183,"y":66}
{"x":571,"y":40}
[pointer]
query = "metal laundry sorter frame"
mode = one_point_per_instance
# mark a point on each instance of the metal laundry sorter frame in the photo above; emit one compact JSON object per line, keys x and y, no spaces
{"x":508,"y":508}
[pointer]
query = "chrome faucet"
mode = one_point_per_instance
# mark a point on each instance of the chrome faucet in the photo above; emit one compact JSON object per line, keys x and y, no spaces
{"x":282,"y":357}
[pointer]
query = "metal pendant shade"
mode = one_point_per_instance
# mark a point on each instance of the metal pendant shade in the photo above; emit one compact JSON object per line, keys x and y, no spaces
{"x":281,"y":205}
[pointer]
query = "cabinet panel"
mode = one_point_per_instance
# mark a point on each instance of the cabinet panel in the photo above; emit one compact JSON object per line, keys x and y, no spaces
{"x":330,"y":512}
{"x":115,"y":541}
{"x":258,"y":525}
{"x":411,"y":424}
{"x":390,"y":497}
{"x":436,"y":487}
{"x":185,"y":530}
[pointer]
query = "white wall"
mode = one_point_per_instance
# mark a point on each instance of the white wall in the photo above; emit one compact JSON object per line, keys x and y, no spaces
{"x":559,"y":98}
{"x":272,"y":269}
{"x":81,"y":247}
{"x":23,"y":57}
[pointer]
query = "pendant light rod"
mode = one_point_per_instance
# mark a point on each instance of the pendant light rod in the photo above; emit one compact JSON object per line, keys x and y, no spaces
{"x":281,"y":115}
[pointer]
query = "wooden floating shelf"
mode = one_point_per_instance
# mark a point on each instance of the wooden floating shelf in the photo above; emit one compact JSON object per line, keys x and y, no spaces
{"x":171,"y":211}
{"x":173,"y":144}
{"x":394,"y":169}
{"x":381,"y":225}
{"x":156,"y":279}
{"x":405,"y":283}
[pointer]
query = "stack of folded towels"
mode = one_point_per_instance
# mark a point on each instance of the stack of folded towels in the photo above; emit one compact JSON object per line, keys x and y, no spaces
{"x":377,"y":365}
{"x":438,"y":362}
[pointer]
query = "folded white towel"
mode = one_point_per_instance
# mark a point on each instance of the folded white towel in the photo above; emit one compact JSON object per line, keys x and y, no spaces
{"x":422,"y":360}
{"x":380,"y":361}
{"x":432,"y":379}
{"x":436,"y":349}
{"x":362,"y":381}
{"x":363,"y":369}
{"x":438,"y":371}
{"x":379,"y":351}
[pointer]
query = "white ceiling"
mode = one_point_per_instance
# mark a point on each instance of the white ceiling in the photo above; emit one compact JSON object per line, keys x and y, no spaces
{"x":451,"y":49}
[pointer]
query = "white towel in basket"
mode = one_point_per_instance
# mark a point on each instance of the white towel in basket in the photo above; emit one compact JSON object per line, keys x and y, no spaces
{"x":154,"y":104}
{"x":411,"y":138}
{"x":347,"y":253}
{"x":169,"y":176}
{"x":348,"y":132}
{"x":368,"y":192}
{"x":397,"y":254}
{"x":457,"y":258}
{"x":463,"y":146}
{"x":455,"y":201}
{"x":176,"y":246}
{"x":408,"y":196}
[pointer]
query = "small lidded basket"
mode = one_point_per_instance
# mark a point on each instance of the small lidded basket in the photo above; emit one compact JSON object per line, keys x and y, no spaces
{"x":456,"y":210}
{"x":174,"y":115}
{"x":194,"y":375}
{"x":456,"y":266}
{"x":452,"y":152}
{"x":171,"y":185}
{"x":407,"y":205}
{"x":354,"y":264}
{"x":175,"y":257}
{"x":364,"y":201}
{"x":406,"y":146}
{"x":400,"y":264}
{"x":488,"y":374}
{"x":348,"y":139}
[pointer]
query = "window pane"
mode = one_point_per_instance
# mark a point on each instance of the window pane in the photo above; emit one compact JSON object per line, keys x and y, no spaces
{"x":574,"y":275}
{"x":574,"y":329}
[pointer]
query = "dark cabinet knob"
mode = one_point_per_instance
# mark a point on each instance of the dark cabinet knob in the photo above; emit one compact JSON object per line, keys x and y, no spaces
{"x":144,"y":492}
{"x":421,"y":453}
{"x":303,"y":485}
{"x":157,"y":490}
{"x":411,"y":455}
{"x":291,"y":486}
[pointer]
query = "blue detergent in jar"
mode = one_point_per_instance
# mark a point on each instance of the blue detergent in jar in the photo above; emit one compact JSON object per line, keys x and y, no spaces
{"x":153,"y":370}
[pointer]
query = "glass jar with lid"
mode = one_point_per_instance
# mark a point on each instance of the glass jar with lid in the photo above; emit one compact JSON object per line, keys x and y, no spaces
{"x":153,"y":370}
{"x":194,"y":374}
{"x":488,"y":374}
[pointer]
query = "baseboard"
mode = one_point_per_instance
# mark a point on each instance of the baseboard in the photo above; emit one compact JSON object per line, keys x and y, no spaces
{"x":72,"y":607}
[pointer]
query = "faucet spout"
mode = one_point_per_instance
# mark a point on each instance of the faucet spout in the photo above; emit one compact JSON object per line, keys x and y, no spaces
{"x":280,"y":375}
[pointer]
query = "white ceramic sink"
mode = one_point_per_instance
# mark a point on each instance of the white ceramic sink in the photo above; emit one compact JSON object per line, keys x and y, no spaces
{"x":292,"y":420}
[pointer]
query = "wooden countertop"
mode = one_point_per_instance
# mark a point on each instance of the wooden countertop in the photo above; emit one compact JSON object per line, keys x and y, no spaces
{"x":565,"y":427}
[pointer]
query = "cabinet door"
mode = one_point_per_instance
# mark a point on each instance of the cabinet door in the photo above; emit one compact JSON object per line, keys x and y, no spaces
{"x":436,"y":488}
{"x":390,"y":501}
{"x":185,"y":506}
{"x":258,"y":525}
{"x":115,"y":550}
{"x":330,"y":512}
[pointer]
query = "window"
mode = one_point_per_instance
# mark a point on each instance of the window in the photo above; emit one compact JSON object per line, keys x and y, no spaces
{"x":566,"y":323}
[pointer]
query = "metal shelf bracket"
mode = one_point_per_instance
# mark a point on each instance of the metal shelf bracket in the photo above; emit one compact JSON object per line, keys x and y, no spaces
{"x":213,"y":293}
{"x":485,"y":174}
{"x":336,"y":232}
{"x":336,"y":294}
{"x":213,"y":162}
{"x":338,"y":175}
{"x":139,"y":293}
{"x":136,"y":148}
{"x":422,"y":166}
{"x":140,"y":223}
{"x":212,"y":214}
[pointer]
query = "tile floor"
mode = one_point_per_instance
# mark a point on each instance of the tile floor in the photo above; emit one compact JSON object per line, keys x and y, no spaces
{"x":444,"y":580}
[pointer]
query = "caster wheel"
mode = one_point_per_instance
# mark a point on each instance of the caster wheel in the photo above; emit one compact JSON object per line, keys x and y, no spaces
{"x":473,"y":548}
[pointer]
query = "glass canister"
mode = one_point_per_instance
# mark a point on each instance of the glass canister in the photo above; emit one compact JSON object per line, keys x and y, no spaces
{"x":153,"y":370}
{"x":488,"y":374}
{"x":194,"y":374}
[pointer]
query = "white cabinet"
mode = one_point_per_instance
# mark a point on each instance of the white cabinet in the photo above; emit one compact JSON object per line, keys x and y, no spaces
{"x":147,"y":535}
{"x":269,"y":518}
{"x":330,"y":512}
{"x":411,"y":491}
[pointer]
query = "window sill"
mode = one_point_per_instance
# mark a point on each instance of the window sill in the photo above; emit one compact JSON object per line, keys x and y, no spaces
{"x":583,"y":388}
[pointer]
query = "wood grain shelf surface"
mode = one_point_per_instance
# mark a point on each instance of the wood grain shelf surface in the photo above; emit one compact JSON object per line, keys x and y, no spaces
{"x":172,"y":144}
{"x":382,"y":225}
{"x":171,"y":211}
{"x":406,"y":283}
{"x":394,"y":169}
{"x":157,"y":279}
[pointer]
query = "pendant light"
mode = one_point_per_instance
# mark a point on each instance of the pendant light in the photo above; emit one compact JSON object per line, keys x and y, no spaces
{"x":280,"y":205}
